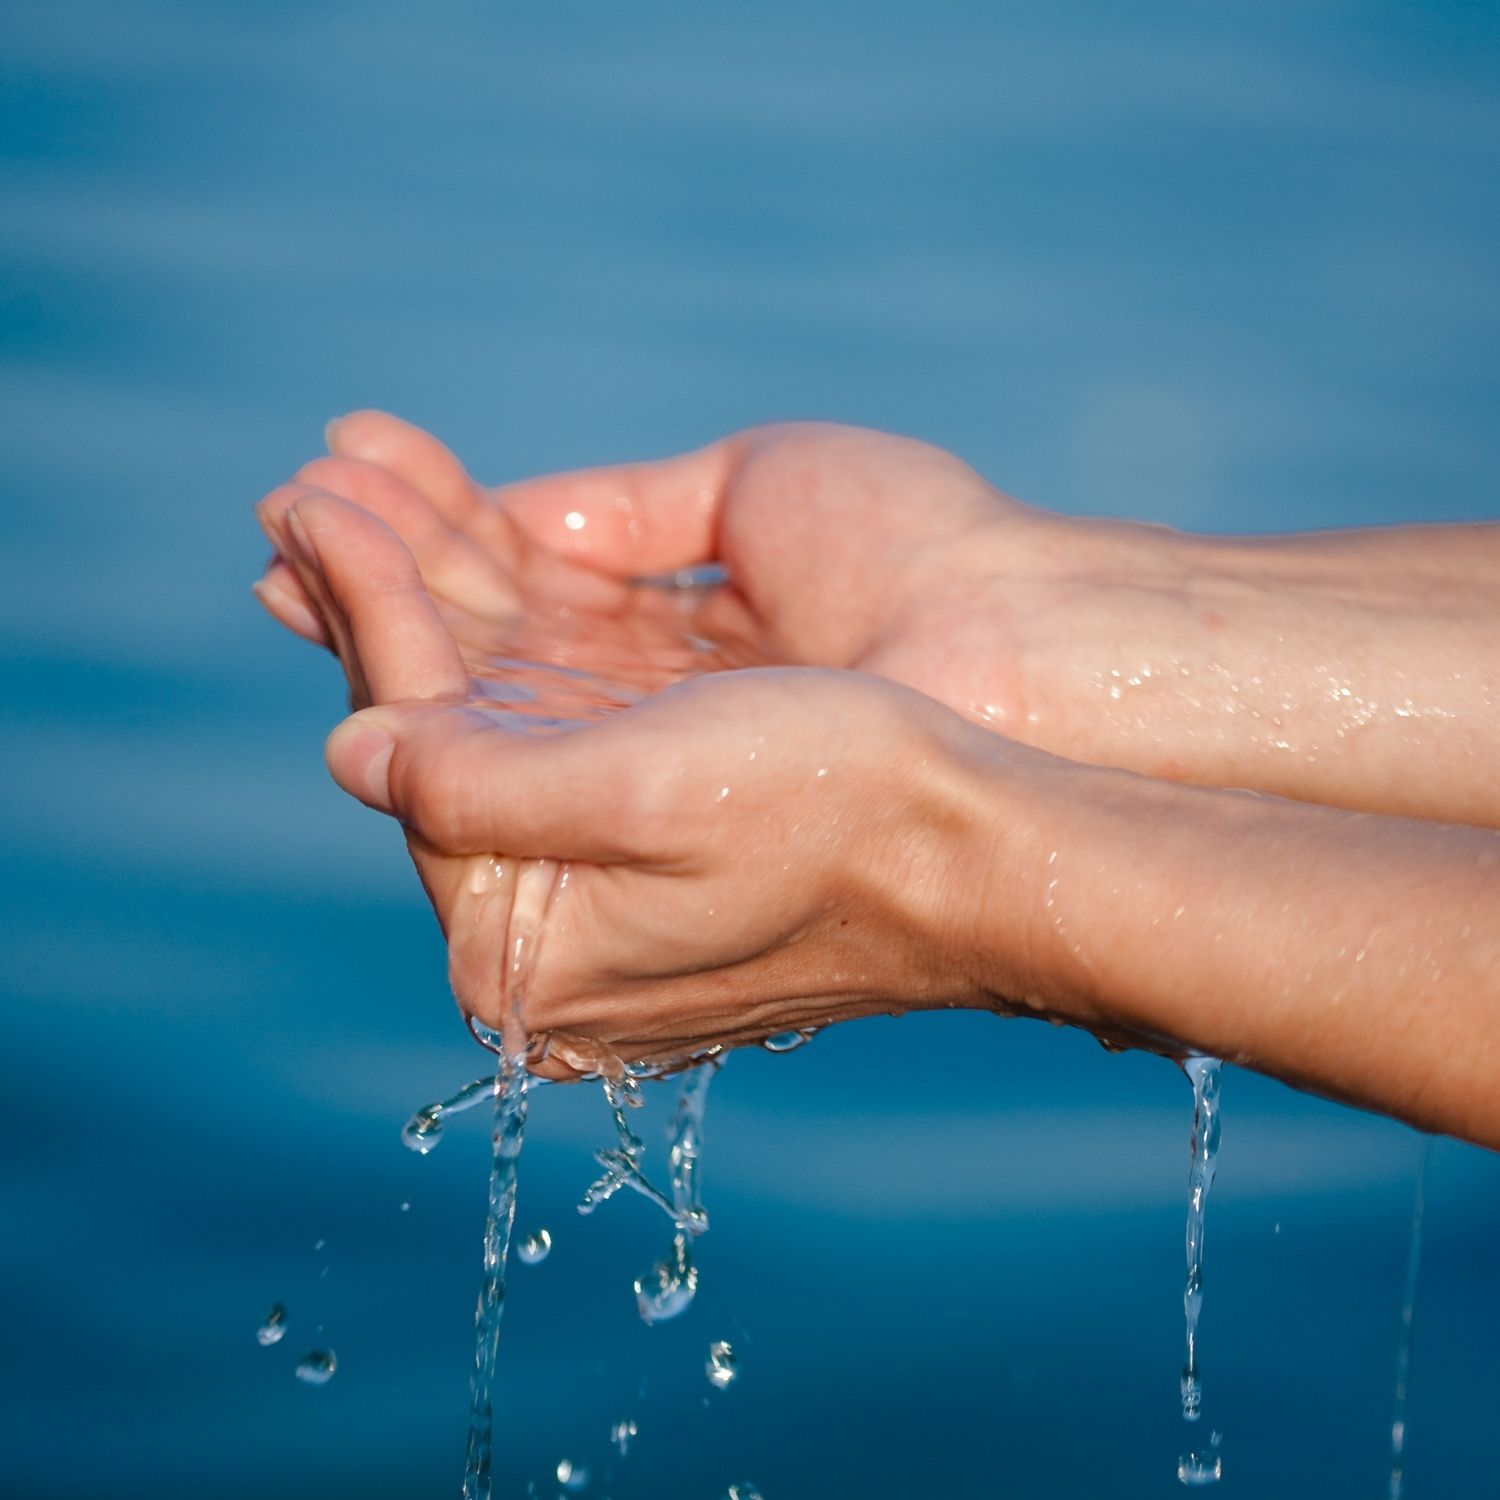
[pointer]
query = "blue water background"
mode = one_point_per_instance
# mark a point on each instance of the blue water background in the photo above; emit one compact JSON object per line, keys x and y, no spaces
{"x":1229,"y":266}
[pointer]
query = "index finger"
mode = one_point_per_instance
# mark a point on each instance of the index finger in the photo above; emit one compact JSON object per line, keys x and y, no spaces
{"x":630,"y":520}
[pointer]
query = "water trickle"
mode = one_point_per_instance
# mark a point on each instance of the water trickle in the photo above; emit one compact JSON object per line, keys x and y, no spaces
{"x":572,"y":1476}
{"x":507,"y":1133}
{"x":1203,"y":1073}
{"x":424,"y":1130}
{"x":317,"y":1367}
{"x":1408,"y":1314}
{"x":272,"y":1330}
{"x":668,"y":1288}
{"x":475,"y":945}
{"x":535,"y":1248}
{"x":788,"y":1041}
{"x":721,"y":1368}
{"x":621,"y":1435}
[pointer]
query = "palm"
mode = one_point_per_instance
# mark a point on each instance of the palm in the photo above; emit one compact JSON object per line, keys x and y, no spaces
{"x":845,"y":548}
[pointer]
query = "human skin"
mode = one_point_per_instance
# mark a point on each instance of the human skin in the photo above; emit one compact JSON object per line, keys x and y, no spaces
{"x":756,"y":850}
{"x":1357,"y":669}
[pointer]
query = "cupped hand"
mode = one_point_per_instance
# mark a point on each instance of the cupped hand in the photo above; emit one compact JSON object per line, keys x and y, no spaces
{"x":743,"y":854}
{"x":845,"y":548}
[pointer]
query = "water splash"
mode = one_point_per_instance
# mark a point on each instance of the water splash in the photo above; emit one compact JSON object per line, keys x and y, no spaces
{"x":668,"y":1288}
{"x":722,"y":1367}
{"x":622,"y":1434}
{"x":317,"y":1367}
{"x":1408,"y":1313}
{"x":273,"y":1329}
{"x":744,"y":1490}
{"x":424,"y":1130}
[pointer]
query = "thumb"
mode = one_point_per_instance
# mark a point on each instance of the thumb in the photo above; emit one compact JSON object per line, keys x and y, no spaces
{"x":466,"y":782}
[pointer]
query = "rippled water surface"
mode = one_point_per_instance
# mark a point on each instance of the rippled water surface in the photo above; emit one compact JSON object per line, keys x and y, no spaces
{"x":1229,"y":267}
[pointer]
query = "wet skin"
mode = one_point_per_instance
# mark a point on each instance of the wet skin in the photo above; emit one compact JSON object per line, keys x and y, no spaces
{"x":1313,"y":667}
{"x":754,"y":850}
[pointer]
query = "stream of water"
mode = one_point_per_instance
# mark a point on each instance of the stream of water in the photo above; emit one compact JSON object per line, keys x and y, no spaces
{"x":1199,"y":1466}
{"x":1408,"y":1313}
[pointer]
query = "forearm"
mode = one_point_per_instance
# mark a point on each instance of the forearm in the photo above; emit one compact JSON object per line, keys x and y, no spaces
{"x":1353,"y":955}
{"x":1357,"y":669}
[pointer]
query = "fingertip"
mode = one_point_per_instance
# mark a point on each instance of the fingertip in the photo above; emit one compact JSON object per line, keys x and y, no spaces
{"x":287,"y":609}
{"x":358,"y":754}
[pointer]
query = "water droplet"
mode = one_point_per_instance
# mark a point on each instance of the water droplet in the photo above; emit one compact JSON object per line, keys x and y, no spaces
{"x":1196,"y":1469}
{"x":744,"y":1490}
{"x":670,"y":1286}
{"x":787,"y":1041}
{"x":317,"y":1368}
{"x":535,"y":1248}
{"x":271,"y":1331}
{"x":572,"y":1476}
{"x":318,"y":1244}
{"x":720,"y":1368}
{"x":423,"y":1131}
{"x":405,"y":1207}
{"x":620,"y":1435}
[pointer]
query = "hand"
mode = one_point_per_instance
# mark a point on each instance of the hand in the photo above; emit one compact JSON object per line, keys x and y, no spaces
{"x":847,"y":548}
{"x":743,"y":854}
{"x":1313,"y":667}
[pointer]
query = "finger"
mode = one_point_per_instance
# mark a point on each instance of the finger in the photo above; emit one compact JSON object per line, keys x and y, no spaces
{"x":427,"y":465}
{"x":465,"y":784}
{"x":288,"y":603}
{"x":452,"y":564}
{"x":634,"y":519}
{"x":396,"y":636}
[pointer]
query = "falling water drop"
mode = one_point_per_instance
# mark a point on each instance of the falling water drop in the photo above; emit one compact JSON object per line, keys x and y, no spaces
{"x":535,"y":1248}
{"x":271,"y":1331}
{"x":721,"y":1369}
{"x":317,"y":1367}
{"x":621,"y":1433}
{"x":668,"y":1289}
{"x":423,"y":1131}
{"x":1195,"y":1469}
{"x":572,"y":1476}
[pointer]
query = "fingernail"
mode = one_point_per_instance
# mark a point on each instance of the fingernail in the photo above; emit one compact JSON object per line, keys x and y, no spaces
{"x":359,"y":756}
{"x":287,"y":608}
{"x":331,"y":432}
{"x":300,"y":535}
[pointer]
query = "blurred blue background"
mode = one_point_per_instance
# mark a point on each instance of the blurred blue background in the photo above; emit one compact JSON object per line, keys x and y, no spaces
{"x":1229,"y":266}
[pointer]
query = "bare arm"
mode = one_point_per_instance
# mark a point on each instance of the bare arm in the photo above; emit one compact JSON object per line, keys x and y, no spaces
{"x":1359,"y":669}
{"x":759,"y":850}
{"x":1354,"y":955}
